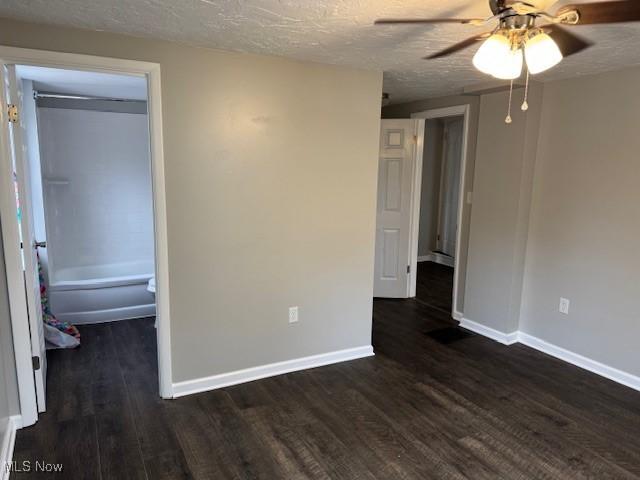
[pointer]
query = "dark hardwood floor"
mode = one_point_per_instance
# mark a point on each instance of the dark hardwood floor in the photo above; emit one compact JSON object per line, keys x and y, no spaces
{"x":435,"y":402}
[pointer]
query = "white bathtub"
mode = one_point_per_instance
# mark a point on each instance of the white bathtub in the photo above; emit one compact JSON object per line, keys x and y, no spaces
{"x":96,"y":294}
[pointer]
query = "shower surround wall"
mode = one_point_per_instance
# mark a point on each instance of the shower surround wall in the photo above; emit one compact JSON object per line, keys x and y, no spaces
{"x":96,"y":183}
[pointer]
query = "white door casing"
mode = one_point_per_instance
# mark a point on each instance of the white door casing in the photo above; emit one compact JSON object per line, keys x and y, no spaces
{"x":32,"y":282}
{"x":10,"y":230}
{"x":400,"y":143}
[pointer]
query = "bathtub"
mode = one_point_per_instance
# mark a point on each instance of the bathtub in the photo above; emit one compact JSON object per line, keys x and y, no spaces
{"x":104,"y":293}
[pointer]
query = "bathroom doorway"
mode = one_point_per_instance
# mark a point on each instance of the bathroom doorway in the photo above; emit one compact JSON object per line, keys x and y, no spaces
{"x":87,"y":209}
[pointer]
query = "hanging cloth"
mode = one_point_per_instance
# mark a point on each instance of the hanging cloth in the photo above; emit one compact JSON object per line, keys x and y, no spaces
{"x":57,"y":333}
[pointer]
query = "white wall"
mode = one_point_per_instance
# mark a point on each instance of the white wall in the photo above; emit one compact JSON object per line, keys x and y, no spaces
{"x":104,"y":214}
{"x":271,"y":169}
{"x":585,"y":220}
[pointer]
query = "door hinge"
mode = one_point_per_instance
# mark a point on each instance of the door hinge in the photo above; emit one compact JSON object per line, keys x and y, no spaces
{"x":415,"y":139}
{"x":36,"y":363}
{"x":12,"y":113}
{"x":408,"y":268}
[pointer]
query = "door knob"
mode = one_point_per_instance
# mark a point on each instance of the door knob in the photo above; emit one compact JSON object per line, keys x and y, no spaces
{"x":40,"y":244}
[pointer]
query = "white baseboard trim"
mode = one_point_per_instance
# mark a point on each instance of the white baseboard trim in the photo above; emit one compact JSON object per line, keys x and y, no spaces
{"x":109,"y":315}
{"x":619,"y":376}
{"x":437,"y":258}
{"x":498,"y":336}
{"x":581,"y":361}
{"x":256,"y":373}
{"x":8,"y":442}
{"x":456,"y":315}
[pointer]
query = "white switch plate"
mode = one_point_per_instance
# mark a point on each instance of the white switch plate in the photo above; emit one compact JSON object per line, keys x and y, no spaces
{"x":293,"y":314}
{"x":564,"y":305}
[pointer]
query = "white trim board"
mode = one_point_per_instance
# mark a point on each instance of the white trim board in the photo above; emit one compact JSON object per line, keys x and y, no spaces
{"x":270,"y":370}
{"x":109,"y":315}
{"x":493,"y":334}
{"x":581,"y":361}
{"x":614,"y":374}
{"x":8,"y":442}
{"x":438,"y":258}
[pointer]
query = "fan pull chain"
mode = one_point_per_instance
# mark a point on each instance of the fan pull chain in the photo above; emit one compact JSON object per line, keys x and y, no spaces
{"x":525,"y":104}
{"x":508,"y":119}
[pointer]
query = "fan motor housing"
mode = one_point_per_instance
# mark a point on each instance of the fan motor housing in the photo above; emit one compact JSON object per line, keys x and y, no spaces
{"x":517,"y":22}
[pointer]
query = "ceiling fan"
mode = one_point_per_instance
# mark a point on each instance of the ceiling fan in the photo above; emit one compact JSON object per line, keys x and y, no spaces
{"x":528,"y":35}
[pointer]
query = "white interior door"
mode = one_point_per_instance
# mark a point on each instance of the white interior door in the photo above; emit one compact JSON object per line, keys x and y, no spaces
{"x":396,"y":170}
{"x":13,"y":95}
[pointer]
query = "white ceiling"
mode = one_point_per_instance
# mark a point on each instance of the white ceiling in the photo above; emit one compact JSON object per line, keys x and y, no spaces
{"x":328,"y":31}
{"x":84,"y":83}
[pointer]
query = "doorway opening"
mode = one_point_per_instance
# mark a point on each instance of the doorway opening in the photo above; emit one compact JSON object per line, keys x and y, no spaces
{"x":83,"y":152}
{"x":422,"y":200}
{"x":438,"y":219}
{"x":85,"y":205}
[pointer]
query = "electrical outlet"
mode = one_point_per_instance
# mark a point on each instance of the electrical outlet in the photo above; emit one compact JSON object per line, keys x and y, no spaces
{"x":564,"y":305}
{"x":293,"y":314}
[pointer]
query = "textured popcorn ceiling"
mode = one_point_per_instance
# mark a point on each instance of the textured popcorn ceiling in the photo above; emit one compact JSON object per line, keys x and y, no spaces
{"x":327,"y":31}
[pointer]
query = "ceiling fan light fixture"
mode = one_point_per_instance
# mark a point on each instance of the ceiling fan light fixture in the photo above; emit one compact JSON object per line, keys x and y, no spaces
{"x":497,"y":57}
{"x":541,"y":53}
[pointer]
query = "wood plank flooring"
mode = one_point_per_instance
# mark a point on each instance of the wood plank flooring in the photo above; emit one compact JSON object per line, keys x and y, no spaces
{"x":433,"y":403}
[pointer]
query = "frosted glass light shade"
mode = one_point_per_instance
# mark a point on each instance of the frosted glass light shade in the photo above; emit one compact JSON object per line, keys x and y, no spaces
{"x":492,"y":50}
{"x":496,"y":57}
{"x":510,"y":67}
{"x":541,"y":53}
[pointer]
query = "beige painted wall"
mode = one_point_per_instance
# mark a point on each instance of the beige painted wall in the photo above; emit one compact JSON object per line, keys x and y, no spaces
{"x":585,"y":220}
{"x":505,"y":157}
{"x":271,"y":170}
{"x":404,"y":111}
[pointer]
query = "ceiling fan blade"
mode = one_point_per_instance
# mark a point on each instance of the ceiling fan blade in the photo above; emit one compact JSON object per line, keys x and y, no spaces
{"x":426,"y":21}
{"x":605,"y":12}
{"x":568,"y":42}
{"x":458,"y":46}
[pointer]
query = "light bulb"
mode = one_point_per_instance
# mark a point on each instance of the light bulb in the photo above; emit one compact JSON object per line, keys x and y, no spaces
{"x":490,"y":52}
{"x":496,"y":57}
{"x":541,"y":53}
{"x":510,"y":66}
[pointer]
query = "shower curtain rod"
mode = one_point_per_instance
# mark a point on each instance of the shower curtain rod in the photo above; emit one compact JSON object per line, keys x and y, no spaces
{"x":37,"y":94}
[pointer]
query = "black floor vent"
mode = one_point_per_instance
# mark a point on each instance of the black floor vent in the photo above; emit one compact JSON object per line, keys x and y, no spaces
{"x":449,"y":335}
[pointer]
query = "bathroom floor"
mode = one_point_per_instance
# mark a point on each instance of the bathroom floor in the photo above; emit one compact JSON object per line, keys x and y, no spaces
{"x":99,"y":396}
{"x":435,"y":402}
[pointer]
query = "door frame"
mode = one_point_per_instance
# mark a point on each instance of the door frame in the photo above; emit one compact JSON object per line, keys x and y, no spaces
{"x":454,"y":111}
{"x":15,"y":277}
